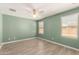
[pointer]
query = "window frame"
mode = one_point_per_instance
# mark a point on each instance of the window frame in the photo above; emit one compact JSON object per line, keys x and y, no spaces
{"x":41,"y":27}
{"x":75,"y":35}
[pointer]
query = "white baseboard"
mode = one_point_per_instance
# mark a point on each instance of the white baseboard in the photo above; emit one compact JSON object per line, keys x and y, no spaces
{"x":41,"y":39}
{"x":59,"y":44}
{"x":17,"y":41}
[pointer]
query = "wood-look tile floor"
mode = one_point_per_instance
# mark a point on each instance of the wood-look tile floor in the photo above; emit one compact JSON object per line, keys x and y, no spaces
{"x":35,"y":47}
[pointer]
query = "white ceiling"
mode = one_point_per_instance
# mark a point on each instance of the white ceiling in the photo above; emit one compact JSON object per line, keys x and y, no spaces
{"x":43,"y":9}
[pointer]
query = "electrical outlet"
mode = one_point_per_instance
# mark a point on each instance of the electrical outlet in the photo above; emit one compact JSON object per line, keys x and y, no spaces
{"x":9,"y":38}
{"x":52,"y":38}
{"x":14,"y":37}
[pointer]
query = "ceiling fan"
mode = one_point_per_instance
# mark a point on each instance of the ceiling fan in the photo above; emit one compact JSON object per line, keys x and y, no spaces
{"x":33,"y":10}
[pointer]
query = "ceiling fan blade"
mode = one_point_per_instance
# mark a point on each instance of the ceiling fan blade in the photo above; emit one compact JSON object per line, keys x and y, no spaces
{"x":28,"y":10}
{"x":40,"y":11}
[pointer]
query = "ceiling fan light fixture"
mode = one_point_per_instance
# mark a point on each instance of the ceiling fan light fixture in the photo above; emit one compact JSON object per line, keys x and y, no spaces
{"x":34,"y":13}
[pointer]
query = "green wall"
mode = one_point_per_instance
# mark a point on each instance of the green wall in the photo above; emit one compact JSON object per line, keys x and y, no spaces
{"x":16,"y":28}
{"x":1,"y":28}
{"x":52,"y":29}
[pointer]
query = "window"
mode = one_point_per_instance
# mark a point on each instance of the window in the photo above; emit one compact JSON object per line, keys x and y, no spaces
{"x":41,"y":27}
{"x":69,"y":26}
